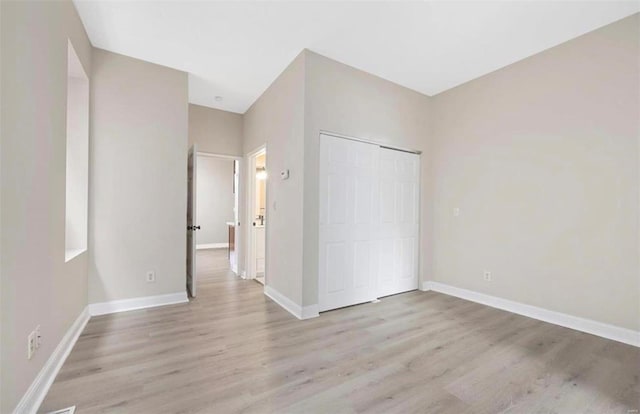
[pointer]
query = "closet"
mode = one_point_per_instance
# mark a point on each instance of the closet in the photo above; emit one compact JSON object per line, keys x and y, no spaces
{"x":369,"y":221}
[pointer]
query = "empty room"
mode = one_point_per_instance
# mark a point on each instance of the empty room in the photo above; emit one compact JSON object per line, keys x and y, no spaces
{"x":319,"y":207}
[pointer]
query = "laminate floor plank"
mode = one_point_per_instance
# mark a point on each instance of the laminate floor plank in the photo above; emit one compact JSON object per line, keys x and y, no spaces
{"x":233,"y":350}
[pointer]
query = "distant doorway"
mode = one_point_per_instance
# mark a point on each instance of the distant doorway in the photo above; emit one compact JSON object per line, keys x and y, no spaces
{"x":212,"y":213}
{"x":256,"y":214}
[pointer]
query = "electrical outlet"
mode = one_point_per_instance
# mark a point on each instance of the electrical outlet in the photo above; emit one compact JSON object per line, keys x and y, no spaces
{"x":487,"y":276}
{"x":456,"y":211}
{"x":38,"y":337}
{"x":31,"y":344}
{"x":151,"y":276}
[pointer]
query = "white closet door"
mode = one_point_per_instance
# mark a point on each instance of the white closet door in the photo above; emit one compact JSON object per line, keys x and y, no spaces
{"x":398,"y":225}
{"x":348,"y":214}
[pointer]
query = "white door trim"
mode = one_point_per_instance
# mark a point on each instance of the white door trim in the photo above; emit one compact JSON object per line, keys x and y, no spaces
{"x":216,"y":155}
{"x":212,"y":246}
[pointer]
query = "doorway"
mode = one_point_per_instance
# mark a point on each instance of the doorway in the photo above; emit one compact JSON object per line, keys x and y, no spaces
{"x":212,"y":209}
{"x":257,"y":177}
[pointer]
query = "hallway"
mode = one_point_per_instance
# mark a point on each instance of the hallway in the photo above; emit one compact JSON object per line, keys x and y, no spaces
{"x":234,"y":350}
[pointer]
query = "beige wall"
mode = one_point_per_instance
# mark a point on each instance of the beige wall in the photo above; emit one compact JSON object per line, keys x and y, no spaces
{"x":38,"y":287}
{"x":351,"y":102}
{"x":138,"y":182}
{"x":541,"y":157}
{"x":277,"y":120}
{"x":215,"y":131}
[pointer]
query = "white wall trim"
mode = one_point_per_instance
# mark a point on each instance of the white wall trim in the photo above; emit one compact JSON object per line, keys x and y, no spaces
{"x":286,"y":303}
{"x":604,"y":330}
{"x":212,"y":246}
{"x":123,"y":305}
{"x":309,"y":312}
{"x":31,"y":400}
{"x":306,"y":312}
{"x":215,"y":155}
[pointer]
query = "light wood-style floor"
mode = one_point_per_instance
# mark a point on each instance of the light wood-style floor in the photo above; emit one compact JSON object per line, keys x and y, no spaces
{"x":233,"y":350}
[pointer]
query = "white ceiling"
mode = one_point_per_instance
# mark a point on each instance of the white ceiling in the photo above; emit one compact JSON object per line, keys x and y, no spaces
{"x":236,"y":49}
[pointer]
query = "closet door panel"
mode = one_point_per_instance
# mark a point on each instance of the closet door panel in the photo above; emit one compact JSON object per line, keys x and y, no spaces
{"x":348,"y":214}
{"x":398,"y":226}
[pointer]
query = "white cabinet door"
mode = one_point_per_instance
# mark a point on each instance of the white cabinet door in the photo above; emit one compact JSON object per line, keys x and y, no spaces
{"x":348,"y":214}
{"x":398,"y":225}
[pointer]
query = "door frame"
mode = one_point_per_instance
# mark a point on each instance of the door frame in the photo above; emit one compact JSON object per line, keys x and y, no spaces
{"x":236,"y":201}
{"x":250,"y":261}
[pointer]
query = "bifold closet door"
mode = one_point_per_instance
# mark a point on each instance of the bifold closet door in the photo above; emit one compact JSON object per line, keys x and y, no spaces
{"x":398,"y":224}
{"x":348,"y":215}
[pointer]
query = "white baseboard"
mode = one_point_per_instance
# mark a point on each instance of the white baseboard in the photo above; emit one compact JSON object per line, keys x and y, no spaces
{"x":31,"y":400}
{"x":212,"y":246}
{"x":604,"y":330}
{"x":306,"y":312}
{"x":309,"y":312}
{"x":123,"y":305}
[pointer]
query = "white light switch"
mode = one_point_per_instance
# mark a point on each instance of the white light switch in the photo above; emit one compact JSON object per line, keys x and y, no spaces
{"x":456,"y":211}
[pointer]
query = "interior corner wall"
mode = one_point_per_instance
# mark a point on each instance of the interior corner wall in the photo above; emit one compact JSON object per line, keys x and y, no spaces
{"x":541,"y":157}
{"x":277,"y":120}
{"x":348,"y":101}
{"x":38,"y":287}
{"x":138,"y":180}
{"x":215,"y":131}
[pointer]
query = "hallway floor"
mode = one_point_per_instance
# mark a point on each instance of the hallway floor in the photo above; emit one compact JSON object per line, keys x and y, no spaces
{"x":234,"y":350}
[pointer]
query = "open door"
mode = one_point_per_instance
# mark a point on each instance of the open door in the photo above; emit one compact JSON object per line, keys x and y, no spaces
{"x":191,"y":221}
{"x":256,"y":214}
